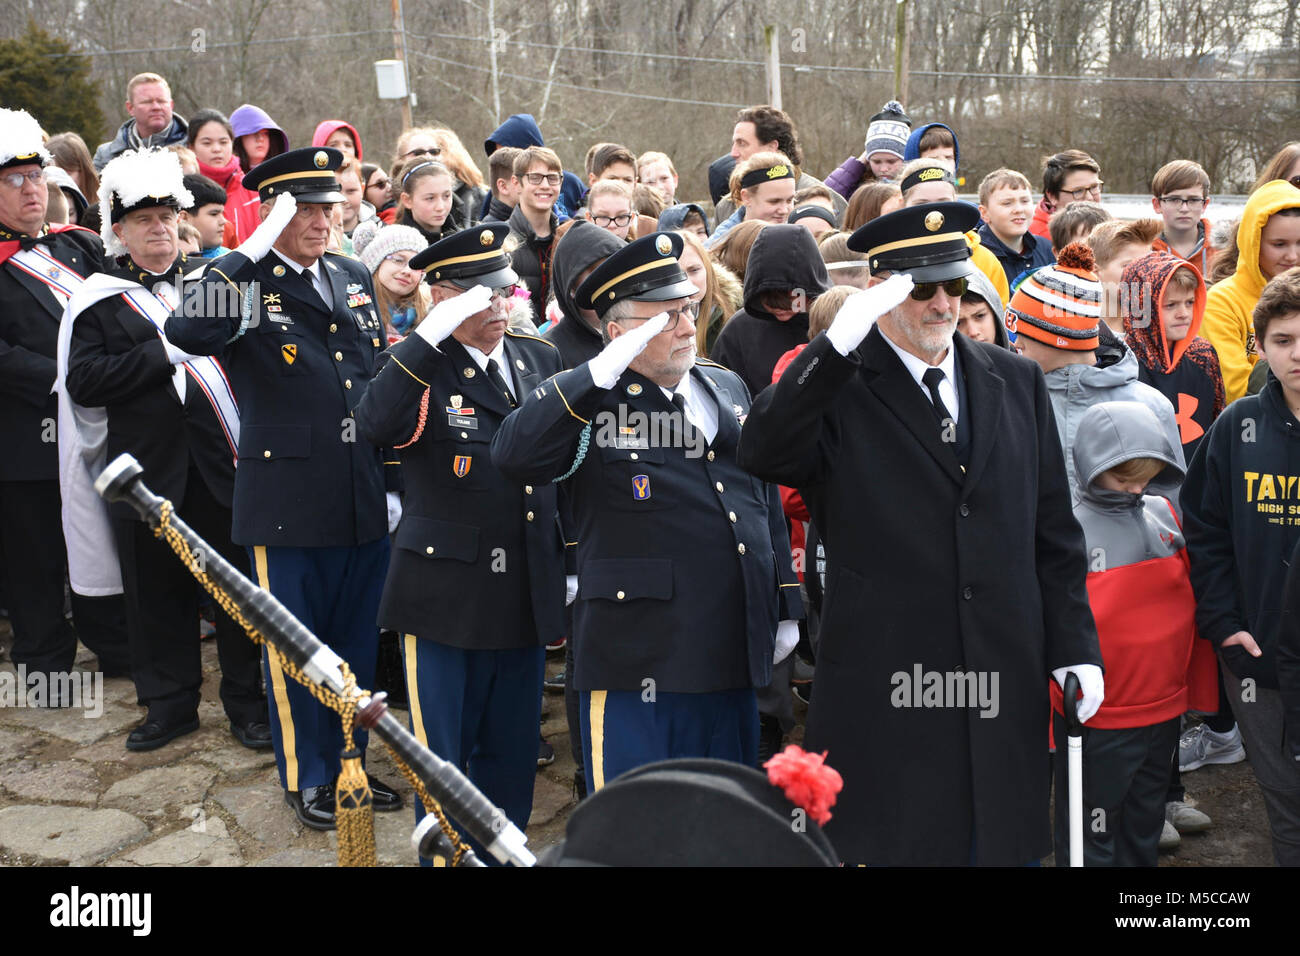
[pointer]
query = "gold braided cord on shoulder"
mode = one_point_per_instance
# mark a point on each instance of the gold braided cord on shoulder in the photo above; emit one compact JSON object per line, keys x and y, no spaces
{"x":353,"y":799}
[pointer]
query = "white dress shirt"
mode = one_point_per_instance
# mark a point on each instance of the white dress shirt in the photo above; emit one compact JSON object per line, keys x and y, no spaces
{"x":497,"y":355}
{"x":917,"y":367}
{"x":315,"y":275}
{"x":701,"y":409}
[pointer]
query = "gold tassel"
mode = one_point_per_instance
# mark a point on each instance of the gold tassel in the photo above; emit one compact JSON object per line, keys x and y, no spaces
{"x":352,"y":813}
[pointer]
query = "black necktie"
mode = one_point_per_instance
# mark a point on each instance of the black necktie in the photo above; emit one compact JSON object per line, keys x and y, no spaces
{"x":494,"y":373}
{"x":932,"y":378}
{"x":688,"y":428}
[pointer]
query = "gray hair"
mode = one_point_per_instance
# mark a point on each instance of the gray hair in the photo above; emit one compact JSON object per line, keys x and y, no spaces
{"x":619,"y":312}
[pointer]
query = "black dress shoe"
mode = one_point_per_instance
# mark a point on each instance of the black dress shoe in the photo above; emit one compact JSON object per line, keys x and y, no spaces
{"x":384,"y":797}
{"x":313,"y":806}
{"x":255,"y":735}
{"x":153,"y":733}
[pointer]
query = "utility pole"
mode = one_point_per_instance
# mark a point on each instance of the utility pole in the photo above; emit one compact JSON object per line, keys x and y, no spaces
{"x":900,"y":52}
{"x":773,"y":42}
{"x":399,"y":51}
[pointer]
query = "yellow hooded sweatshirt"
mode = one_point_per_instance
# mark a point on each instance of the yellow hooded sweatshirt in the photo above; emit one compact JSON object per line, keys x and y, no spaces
{"x":1228,"y":323}
{"x":987,"y":263}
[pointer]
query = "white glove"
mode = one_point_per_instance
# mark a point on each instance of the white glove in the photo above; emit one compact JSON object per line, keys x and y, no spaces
{"x":615,"y":357}
{"x":394,"y":501}
{"x":175,"y":355}
{"x":570,"y":589}
{"x":1090,"y":682}
{"x":256,"y":246}
{"x":787,"y":636}
{"x":444,"y":317}
{"x":860,"y":310}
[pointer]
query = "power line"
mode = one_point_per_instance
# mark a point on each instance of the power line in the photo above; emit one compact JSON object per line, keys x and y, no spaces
{"x":189,"y":48}
{"x":574,"y":86}
{"x":879,"y":71}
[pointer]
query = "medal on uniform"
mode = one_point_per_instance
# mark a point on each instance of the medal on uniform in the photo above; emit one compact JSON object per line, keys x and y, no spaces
{"x":640,"y":487}
{"x":460,"y":465}
{"x":459,"y":415}
{"x":627,"y":437}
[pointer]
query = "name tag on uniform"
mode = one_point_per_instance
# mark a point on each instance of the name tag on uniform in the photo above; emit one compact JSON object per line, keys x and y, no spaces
{"x":627,"y":437}
{"x":460,"y":421}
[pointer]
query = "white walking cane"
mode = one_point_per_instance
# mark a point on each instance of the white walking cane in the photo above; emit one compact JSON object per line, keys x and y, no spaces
{"x":1074,"y":730}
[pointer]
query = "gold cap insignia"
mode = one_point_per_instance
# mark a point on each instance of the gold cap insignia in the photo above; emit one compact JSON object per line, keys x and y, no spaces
{"x":456,"y":401}
{"x":485,"y":237}
{"x":663,"y":245}
{"x":776,"y":172}
{"x":321,"y":159}
{"x":934,"y":221}
{"x":468,"y":373}
{"x":277,"y":271}
{"x":634,"y":389}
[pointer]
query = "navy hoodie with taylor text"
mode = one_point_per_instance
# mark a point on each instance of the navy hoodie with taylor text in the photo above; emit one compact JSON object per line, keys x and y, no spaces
{"x":1241,"y":506}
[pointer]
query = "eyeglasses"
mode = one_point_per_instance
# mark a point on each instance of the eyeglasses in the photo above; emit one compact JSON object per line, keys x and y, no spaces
{"x":1186,"y":202}
{"x":423,"y":151}
{"x":691,"y":309}
{"x":15,"y":180}
{"x":954,"y":288}
{"x":506,"y":291}
{"x":622,"y":219}
{"x":400,"y":259}
{"x":378,"y":184}
{"x":1080,"y":194}
{"x":536,"y":179}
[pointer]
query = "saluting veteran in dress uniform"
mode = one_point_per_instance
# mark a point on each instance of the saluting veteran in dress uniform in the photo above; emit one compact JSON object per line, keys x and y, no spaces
{"x":309,"y":494}
{"x":40,"y":268}
{"x":476,"y":584}
{"x":683,"y":558}
{"x":932,"y":467}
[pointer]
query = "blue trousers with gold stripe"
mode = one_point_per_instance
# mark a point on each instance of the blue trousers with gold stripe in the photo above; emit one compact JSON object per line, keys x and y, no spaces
{"x":335,"y":593}
{"x":479,"y":710}
{"x":622,"y":730}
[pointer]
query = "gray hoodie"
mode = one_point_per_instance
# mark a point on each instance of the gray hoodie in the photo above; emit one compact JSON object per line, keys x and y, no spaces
{"x":1122,"y":528}
{"x":1076,"y":388}
{"x":979,"y":283}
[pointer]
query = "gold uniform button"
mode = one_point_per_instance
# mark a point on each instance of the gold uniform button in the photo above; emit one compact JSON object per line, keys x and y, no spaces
{"x":530,"y":516}
{"x":719,"y":487}
{"x":429,"y":550}
{"x":732,"y":516}
{"x":338,"y":356}
{"x":741,"y":547}
{"x":333,"y":327}
{"x":528,"y":489}
{"x":711,"y":456}
{"x":347,"y":383}
{"x":267,"y":453}
{"x":621,"y":595}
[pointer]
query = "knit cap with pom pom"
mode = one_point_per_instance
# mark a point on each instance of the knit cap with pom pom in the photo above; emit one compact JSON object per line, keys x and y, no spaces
{"x":1060,"y":305}
{"x":372,"y":241}
{"x":888,"y":130}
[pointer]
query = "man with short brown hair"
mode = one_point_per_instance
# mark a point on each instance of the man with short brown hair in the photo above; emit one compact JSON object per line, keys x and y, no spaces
{"x":152,"y":122}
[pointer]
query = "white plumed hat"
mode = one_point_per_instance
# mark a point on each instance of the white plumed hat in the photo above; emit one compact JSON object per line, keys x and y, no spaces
{"x":21,"y":140}
{"x":138,"y":179}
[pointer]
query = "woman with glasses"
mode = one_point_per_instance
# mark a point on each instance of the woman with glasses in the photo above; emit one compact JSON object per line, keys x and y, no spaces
{"x":400,"y":296}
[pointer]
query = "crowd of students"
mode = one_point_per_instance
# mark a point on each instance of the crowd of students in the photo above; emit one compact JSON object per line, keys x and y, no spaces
{"x":1170,"y":347}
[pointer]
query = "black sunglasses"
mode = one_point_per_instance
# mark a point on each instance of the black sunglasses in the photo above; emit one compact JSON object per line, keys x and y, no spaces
{"x":956,"y":288}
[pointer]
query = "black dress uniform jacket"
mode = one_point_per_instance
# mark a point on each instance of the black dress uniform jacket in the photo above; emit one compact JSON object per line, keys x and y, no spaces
{"x":479,"y":558}
{"x":29,"y":333}
{"x":305,"y":478}
{"x":981,"y":570}
{"x":117,"y":360}
{"x":684,"y":586}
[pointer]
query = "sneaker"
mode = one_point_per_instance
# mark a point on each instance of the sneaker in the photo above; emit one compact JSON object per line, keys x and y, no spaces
{"x":554,"y":684}
{"x":1200,"y":746}
{"x":1186,"y":818}
{"x":545,"y":754}
{"x":1169,"y":837}
{"x":557,"y":646}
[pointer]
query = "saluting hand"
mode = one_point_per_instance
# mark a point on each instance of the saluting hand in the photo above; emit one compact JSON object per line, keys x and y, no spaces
{"x":256,"y":246}
{"x":615,"y":357}
{"x":860,"y":310}
{"x":444,"y":317}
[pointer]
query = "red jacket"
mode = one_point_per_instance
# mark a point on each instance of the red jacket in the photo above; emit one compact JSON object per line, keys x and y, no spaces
{"x":241,"y":203}
{"x":796,"y":511}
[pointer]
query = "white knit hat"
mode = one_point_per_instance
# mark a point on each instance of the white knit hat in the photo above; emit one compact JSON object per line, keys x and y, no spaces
{"x":372,"y":241}
{"x":21,"y":140}
{"x":132,"y":178}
